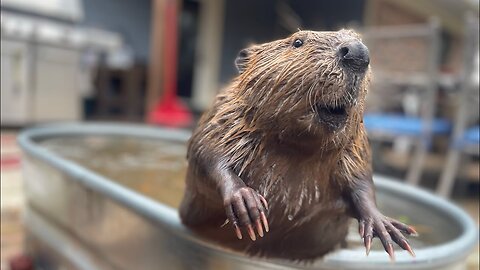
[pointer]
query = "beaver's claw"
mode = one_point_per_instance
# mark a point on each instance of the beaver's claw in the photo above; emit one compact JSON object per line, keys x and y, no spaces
{"x":388,"y":230}
{"x":247,"y":209}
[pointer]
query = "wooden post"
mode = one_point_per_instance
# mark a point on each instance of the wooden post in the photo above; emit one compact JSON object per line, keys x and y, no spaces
{"x":155,"y":69}
{"x":208,"y":54}
{"x":170,"y":47}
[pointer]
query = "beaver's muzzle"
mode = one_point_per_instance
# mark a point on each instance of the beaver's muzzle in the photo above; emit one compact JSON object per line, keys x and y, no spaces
{"x":354,"y":56}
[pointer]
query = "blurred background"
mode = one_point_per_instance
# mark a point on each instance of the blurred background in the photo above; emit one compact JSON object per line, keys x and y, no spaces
{"x":162,"y":62}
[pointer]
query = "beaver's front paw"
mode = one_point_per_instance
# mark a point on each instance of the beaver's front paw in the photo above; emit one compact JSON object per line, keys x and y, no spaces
{"x":388,"y":230}
{"x":244,"y":208}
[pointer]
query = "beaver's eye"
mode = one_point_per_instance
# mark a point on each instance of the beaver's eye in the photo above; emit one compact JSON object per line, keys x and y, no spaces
{"x":297,"y":43}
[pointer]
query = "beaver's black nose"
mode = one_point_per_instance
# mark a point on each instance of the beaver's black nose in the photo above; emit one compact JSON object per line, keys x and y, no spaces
{"x":354,"y":56}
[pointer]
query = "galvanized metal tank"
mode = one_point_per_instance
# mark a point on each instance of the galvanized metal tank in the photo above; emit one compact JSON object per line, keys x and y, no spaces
{"x":79,"y":218}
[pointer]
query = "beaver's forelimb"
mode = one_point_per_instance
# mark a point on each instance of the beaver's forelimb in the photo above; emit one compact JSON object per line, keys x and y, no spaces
{"x":245,"y":208}
{"x":372,"y":223}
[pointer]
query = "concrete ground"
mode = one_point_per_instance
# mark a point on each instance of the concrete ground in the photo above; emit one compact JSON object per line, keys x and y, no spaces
{"x":12,"y":199}
{"x":12,"y":203}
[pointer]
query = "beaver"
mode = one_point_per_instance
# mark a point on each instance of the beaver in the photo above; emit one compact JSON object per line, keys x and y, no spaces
{"x":284,"y":151}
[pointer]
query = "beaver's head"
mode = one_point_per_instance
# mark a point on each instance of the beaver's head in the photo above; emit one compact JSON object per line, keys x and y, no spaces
{"x":311,"y":83}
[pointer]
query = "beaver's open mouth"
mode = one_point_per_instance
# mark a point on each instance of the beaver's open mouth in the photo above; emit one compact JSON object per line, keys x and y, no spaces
{"x":333,"y":117}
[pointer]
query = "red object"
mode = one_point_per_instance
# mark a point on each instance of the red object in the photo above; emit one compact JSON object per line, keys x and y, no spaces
{"x":170,"y":110}
{"x":170,"y":113}
{"x":21,"y":262}
{"x":9,"y":162}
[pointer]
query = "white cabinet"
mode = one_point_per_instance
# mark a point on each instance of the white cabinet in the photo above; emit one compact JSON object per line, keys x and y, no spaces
{"x":41,"y":66}
{"x":56,"y":95}
{"x":38,"y":83}
{"x":15,"y":74}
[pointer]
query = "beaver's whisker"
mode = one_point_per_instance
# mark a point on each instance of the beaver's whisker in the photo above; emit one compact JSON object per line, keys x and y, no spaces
{"x":311,"y":97}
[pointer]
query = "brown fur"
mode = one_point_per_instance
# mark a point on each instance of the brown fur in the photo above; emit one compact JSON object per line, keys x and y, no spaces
{"x":264,"y":127}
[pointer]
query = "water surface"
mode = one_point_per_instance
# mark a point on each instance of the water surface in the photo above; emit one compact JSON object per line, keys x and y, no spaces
{"x":157,"y":168}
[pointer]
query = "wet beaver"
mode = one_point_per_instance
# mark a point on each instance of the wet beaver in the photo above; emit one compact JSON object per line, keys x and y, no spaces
{"x":284,"y":151}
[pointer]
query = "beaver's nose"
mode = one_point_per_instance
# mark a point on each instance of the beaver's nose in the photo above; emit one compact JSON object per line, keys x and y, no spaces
{"x":354,"y":56}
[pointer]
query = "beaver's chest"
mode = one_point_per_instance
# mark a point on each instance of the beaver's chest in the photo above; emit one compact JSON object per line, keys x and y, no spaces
{"x":298,"y":189}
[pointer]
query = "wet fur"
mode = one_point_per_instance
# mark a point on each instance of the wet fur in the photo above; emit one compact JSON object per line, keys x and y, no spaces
{"x":264,"y":127}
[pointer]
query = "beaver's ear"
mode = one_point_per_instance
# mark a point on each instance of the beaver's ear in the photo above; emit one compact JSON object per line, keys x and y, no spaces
{"x":242,"y":60}
{"x":243,"y":57}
